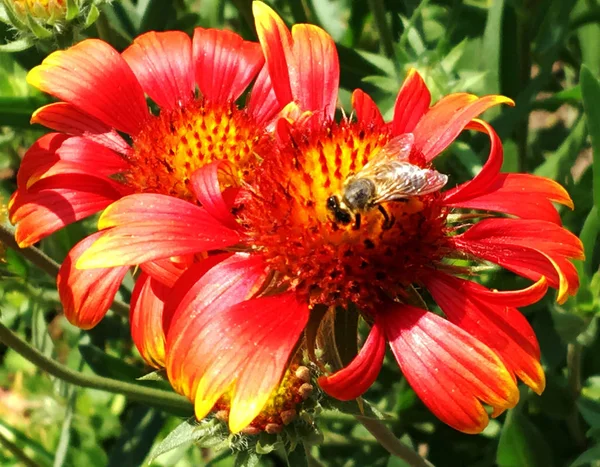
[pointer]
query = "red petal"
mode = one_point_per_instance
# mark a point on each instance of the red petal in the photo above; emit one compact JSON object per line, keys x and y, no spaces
{"x":205,"y":183}
{"x":93,"y":77}
{"x":316,"y":84}
{"x":353,"y":380}
{"x":86,"y":295}
{"x":515,"y":298}
{"x":530,"y":248}
{"x":225,"y":64}
{"x":445,"y":120}
{"x":540,"y":235}
{"x":76,"y":155}
{"x":162,"y":63}
{"x":523,"y":195}
{"x":166,"y":270}
{"x":485,"y":179}
{"x":276,"y":42}
{"x":146,"y":318}
{"x":41,"y":153}
{"x":262,"y":102}
{"x":411,"y":104}
{"x":366,"y":110}
{"x":201,"y":295}
{"x":151,"y":227}
{"x":59,"y":201}
{"x":500,"y":327}
{"x":267,"y":331}
{"x":450,"y":370}
{"x":66,"y":118}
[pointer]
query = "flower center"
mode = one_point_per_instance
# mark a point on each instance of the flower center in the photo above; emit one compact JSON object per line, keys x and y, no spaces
{"x":180,"y":141}
{"x":288,"y":219}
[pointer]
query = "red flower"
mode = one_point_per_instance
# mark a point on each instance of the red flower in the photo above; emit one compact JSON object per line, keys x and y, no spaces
{"x":86,"y":164}
{"x":234,"y":320}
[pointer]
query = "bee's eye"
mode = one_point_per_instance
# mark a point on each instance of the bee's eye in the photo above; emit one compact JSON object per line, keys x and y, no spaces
{"x":332,"y":203}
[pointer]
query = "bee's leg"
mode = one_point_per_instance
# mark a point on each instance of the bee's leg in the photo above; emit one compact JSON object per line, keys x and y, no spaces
{"x":388,"y":221}
{"x":357,"y":219}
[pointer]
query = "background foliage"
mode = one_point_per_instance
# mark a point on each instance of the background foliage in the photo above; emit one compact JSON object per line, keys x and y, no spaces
{"x":545,"y":54}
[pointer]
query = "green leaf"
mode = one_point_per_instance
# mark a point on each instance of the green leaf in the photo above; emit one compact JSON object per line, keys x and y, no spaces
{"x":246,"y":459}
{"x":521,"y":443}
{"x":589,"y":235}
{"x":40,"y":337}
{"x":557,"y":165}
{"x":589,"y":457}
{"x":573,"y":328}
{"x":16,"y":111}
{"x":107,"y":365}
{"x":590,"y":411}
{"x":590,"y":91}
{"x":492,"y":47}
{"x":297,"y":457}
{"x":65,"y":433}
{"x":139,"y":432}
{"x":266,"y":443}
{"x":42,"y":455}
{"x":158,"y":375}
{"x":187,"y":433}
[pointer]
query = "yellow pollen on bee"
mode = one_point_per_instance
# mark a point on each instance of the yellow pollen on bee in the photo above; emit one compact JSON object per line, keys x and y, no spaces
{"x":178,"y":142}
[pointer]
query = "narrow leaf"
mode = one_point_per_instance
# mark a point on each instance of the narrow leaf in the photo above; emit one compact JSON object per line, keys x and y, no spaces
{"x":590,"y":90}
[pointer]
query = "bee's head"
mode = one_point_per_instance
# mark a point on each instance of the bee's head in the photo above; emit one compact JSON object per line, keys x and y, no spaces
{"x":358,"y":194}
{"x":341,"y":214}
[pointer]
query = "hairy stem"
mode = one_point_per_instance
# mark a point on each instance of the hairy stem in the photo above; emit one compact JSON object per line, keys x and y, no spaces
{"x":388,"y":440}
{"x":153,"y":397}
{"x":17,"y":452}
{"x":45,"y":263}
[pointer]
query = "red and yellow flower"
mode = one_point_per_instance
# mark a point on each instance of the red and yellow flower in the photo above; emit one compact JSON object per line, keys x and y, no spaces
{"x":86,"y":164}
{"x":234,"y":320}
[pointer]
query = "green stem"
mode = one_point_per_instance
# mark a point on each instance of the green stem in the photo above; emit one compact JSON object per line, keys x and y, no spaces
{"x":153,"y":397}
{"x":45,"y":263}
{"x":17,"y":452}
{"x":377,"y":8}
{"x":574,"y":355}
{"x":391,"y":444}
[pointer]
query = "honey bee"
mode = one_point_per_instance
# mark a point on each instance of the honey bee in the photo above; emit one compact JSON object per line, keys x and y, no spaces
{"x":388,"y":176}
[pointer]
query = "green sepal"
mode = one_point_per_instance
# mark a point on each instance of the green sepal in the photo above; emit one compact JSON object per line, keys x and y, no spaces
{"x":18,"y":45}
{"x":72,"y":10}
{"x":91,"y":17}
{"x":38,"y":29}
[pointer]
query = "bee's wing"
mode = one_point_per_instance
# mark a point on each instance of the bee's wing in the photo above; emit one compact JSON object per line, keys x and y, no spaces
{"x":400,"y":180}
{"x":396,"y":149}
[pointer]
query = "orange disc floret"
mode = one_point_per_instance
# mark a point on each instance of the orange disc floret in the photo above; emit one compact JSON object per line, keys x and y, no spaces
{"x":311,"y":251}
{"x":179,"y":141}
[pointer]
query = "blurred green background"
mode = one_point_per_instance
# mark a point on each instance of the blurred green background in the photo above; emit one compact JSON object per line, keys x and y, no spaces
{"x":545,"y":54}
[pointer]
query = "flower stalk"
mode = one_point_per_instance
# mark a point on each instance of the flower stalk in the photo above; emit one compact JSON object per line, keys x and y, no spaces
{"x":45,"y":263}
{"x":391,"y":444}
{"x":153,"y":397}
